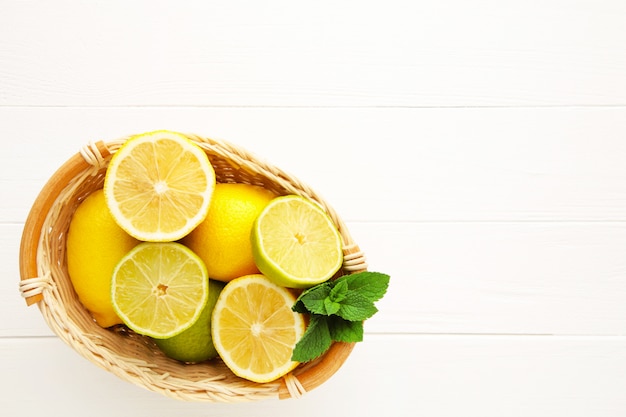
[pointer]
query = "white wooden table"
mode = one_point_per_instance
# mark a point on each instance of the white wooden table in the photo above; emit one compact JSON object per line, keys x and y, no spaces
{"x":476,"y":150}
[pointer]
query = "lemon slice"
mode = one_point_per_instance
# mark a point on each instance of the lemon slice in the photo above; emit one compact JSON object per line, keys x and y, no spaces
{"x":254,"y":329}
{"x":159,"y":289}
{"x":295,"y":243}
{"x":158,"y":186}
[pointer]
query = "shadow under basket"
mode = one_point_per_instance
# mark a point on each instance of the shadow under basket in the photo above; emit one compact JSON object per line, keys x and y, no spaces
{"x":134,"y":358}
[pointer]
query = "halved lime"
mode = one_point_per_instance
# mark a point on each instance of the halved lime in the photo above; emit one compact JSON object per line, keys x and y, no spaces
{"x":295,"y":243}
{"x":159,"y":288}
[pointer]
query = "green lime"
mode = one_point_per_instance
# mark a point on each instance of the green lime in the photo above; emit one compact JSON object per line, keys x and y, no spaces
{"x":295,"y":243}
{"x":195,"y":344}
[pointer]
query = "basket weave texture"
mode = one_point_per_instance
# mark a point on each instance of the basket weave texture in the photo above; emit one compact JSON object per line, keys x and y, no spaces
{"x":134,"y":358}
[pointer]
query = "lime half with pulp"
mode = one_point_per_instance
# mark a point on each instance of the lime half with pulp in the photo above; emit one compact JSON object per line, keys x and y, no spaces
{"x":295,"y":243}
{"x":159,"y":288}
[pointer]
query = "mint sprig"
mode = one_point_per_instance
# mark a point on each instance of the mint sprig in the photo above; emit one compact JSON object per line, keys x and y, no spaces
{"x":337,"y":310}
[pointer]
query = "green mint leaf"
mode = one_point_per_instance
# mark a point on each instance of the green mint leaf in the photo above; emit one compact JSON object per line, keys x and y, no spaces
{"x":331,"y":307}
{"x":315,"y":341}
{"x":345,"y":331}
{"x":339,"y":291}
{"x":356,"y":307}
{"x":337,"y":310}
{"x":372,"y":285}
{"x":299,"y":307}
{"x":312,"y":300}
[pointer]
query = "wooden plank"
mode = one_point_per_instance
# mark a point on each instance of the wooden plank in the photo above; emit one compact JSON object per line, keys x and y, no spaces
{"x":498,"y":278}
{"x":438,"y":376}
{"x":479,"y":278}
{"x":281,"y":53}
{"x":557,"y":164}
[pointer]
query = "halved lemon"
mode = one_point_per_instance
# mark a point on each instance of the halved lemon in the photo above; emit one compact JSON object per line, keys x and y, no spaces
{"x":254,"y":329}
{"x":158,"y":186}
{"x":159,"y":289}
{"x":295,"y":243}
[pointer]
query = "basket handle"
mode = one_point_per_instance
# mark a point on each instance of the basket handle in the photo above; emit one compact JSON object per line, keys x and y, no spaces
{"x":44,"y":201}
{"x":316,"y":376}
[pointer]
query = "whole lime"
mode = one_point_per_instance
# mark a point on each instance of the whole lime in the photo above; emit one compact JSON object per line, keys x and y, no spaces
{"x":195,"y":344}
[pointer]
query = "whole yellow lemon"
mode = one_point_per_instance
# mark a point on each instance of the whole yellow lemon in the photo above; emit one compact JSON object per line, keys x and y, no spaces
{"x":222,"y":240}
{"x":95,"y":244}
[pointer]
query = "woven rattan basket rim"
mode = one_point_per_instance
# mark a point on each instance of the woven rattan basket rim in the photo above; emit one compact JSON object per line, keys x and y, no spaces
{"x":44,"y":281}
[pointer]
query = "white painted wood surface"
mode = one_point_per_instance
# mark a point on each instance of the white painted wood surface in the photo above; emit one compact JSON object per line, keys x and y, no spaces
{"x":475,"y":149}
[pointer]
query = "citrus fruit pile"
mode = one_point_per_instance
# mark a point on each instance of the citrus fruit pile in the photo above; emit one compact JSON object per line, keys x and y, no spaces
{"x":205,"y":269}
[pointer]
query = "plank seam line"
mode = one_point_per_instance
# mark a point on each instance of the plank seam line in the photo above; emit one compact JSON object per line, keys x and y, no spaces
{"x":355,"y":107}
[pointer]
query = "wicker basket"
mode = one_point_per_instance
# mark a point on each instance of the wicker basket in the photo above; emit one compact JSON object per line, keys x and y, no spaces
{"x":134,"y":358}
